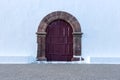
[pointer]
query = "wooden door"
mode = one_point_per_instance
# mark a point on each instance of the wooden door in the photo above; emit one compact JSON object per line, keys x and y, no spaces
{"x":59,"y":41}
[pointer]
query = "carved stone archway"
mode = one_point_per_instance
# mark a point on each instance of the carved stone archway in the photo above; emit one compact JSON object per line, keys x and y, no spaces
{"x":41,"y":33}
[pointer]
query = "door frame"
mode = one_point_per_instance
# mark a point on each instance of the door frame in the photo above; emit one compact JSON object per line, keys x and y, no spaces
{"x":41,"y":33}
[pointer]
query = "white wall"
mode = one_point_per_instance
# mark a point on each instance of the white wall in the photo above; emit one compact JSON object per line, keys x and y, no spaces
{"x":101,"y":27}
{"x":99,"y":19}
{"x":18,"y":24}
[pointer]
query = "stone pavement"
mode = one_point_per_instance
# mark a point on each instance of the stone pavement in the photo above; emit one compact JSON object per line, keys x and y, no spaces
{"x":59,"y":72}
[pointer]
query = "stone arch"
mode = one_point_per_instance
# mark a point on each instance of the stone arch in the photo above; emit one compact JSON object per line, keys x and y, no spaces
{"x":59,"y":15}
{"x":41,"y":33}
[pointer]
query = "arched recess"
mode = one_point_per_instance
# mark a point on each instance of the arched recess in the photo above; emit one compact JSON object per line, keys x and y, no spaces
{"x":41,"y":33}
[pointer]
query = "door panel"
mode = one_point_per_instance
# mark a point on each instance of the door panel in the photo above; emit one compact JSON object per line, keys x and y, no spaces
{"x":59,"y":41}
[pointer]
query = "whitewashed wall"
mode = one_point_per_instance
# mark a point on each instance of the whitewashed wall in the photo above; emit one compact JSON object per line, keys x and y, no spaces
{"x":99,"y":19}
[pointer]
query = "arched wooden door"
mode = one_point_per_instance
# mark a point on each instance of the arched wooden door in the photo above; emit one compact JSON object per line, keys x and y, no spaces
{"x":59,"y":41}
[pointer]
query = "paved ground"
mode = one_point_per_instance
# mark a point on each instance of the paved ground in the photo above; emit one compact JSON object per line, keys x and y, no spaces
{"x":59,"y":72}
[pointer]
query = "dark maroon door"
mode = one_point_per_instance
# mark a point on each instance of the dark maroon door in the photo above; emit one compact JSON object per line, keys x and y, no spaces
{"x":59,"y":41}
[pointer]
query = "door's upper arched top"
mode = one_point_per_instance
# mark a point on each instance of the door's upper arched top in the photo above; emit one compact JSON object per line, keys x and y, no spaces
{"x":59,"y":15}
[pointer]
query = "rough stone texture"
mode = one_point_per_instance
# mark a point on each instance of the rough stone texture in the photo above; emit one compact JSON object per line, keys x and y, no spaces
{"x":54,"y":16}
{"x":59,"y":72}
{"x":60,"y":15}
